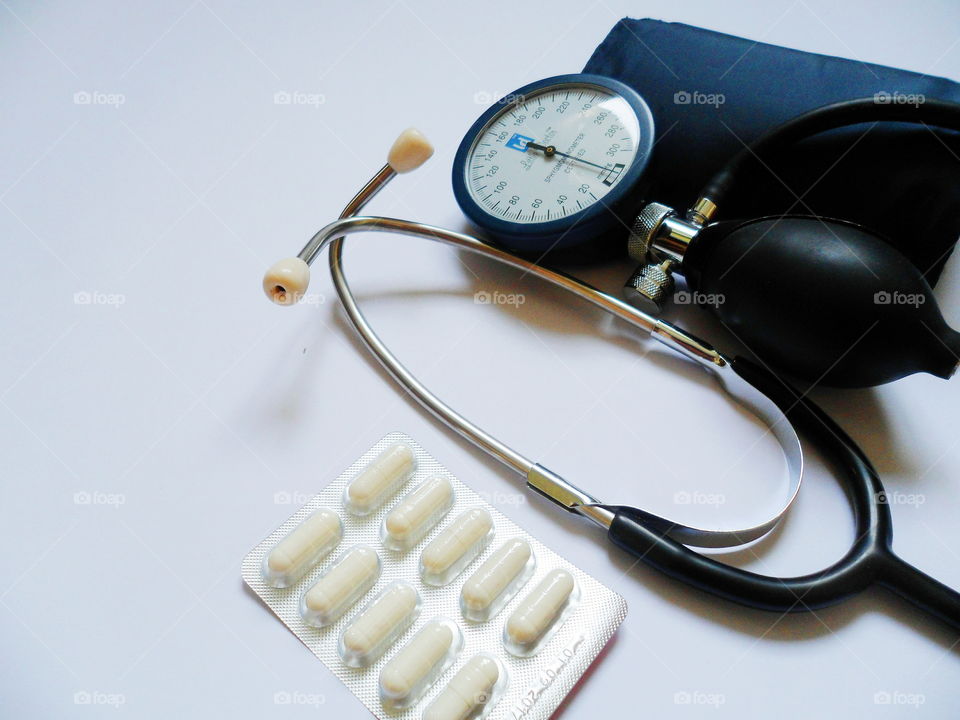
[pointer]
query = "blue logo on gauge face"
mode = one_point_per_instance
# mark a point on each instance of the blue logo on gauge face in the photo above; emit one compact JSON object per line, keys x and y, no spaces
{"x":519,"y":142}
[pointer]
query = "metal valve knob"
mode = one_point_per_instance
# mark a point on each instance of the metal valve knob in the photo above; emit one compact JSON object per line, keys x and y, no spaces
{"x":659,"y":240}
{"x":652,"y":283}
{"x":650,"y":286}
{"x":645,"y":229}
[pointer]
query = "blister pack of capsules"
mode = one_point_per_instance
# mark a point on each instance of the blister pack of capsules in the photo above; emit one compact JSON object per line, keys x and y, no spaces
{"x":424,"y":600}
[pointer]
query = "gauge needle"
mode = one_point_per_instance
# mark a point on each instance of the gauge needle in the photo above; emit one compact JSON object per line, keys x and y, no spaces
{"x":550,"y":151}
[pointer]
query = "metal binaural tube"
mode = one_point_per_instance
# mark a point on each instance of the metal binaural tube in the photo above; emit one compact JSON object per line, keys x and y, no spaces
{"x":315,"y":244}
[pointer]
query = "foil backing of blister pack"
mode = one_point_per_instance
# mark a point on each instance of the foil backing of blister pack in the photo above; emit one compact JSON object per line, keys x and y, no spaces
{"x":537,"y":685}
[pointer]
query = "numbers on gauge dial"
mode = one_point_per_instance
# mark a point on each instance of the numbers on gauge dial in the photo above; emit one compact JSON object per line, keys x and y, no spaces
{"x":552,"y":154}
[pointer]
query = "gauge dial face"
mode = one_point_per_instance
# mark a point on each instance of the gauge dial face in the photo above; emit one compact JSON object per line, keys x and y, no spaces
{"x":552,"y":153}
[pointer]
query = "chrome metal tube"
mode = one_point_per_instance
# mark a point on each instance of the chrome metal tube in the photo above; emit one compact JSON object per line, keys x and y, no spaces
{"x":366,"y":194}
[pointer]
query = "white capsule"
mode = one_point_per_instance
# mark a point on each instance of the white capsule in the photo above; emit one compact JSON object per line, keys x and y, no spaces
{"x":496,"y":580}
{"x":537,"y":613}
{"x":380,"y":479}
{"x":340,"y":587}
{"x":369,"y":635}
{"x":468,"y":690}
{"x":453,"y":549}
{"x":302,"y":548}
{"x":417,"y":514}
{"x":409,"y":672}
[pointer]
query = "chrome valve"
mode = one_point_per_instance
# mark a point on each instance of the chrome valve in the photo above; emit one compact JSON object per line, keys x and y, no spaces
{"x":650,"y":287}
{"x":658,"y":240}
{"x":645,"y":229}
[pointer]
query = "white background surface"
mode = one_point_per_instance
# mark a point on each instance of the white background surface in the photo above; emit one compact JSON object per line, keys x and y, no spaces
{"x":187,"y":410}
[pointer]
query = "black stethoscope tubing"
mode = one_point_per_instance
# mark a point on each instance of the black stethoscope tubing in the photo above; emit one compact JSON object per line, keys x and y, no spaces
{"x":869,"y":561}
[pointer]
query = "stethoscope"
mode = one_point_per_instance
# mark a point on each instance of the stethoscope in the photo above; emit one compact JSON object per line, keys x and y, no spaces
{"x":655,"y":541}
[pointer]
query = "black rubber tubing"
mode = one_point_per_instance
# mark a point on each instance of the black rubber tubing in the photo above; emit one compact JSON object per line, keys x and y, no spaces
{"x":938,"y":113}
{"x":870,"y":560}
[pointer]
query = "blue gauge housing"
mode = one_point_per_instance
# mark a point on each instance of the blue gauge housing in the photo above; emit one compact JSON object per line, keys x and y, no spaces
{"x":595,"y":223}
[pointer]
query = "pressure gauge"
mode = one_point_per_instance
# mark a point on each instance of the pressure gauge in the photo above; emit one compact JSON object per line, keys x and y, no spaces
{"x":556,"y":164}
